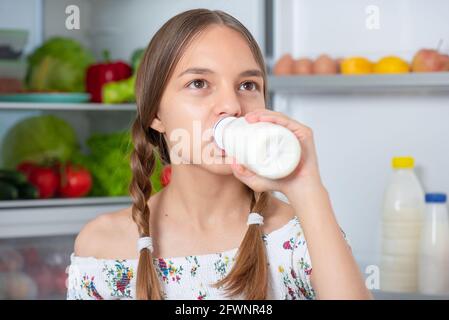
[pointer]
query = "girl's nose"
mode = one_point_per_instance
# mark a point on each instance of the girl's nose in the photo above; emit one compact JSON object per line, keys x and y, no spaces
{"x":228,"y":103}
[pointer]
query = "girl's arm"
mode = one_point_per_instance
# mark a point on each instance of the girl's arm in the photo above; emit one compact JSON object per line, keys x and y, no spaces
{"x":335,"y":274}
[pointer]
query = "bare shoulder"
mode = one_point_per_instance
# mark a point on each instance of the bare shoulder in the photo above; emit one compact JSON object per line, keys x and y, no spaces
{"x":278,"y":214}
{"x":106,"y":236}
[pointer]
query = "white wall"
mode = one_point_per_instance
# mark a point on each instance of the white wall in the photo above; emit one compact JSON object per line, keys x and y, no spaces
{"x":305,"y":27}
{"x":122,"y":26}
{"x":356,"y":135}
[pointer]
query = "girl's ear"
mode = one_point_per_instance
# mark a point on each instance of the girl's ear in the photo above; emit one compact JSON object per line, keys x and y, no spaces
{"x":157,"y":125}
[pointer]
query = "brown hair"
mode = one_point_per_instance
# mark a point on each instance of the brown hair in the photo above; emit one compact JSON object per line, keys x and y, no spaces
{"x":249,"y":273}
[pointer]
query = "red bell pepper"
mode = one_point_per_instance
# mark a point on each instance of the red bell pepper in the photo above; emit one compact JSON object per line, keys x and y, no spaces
{"x":101,"y":73}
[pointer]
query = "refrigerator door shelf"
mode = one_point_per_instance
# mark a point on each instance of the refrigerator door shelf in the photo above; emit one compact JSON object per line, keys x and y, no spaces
{"x":33,"y":218}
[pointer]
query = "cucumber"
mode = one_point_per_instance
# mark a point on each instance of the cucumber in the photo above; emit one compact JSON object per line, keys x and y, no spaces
{"x":8,"y":191}
{"x":11,"y":176}
{"x":27,"y":191}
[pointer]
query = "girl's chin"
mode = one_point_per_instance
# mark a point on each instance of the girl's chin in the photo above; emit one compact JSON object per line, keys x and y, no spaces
{"x":219,"y":168}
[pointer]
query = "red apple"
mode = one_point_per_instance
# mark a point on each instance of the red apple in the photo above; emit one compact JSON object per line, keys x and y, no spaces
{"x":444,"y":60}
{"x":427,"y":60}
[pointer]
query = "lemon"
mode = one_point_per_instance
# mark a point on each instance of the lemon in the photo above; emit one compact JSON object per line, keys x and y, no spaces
{"x":356,"y":65}
{"x":391,"y":64}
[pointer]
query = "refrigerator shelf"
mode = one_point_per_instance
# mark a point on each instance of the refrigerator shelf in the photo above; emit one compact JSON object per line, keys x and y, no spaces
{"x":31,"y":218}
{"x":67,"y":106}
{"x":420,"y":83}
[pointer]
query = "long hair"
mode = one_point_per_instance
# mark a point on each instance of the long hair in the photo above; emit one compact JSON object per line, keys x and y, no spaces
{"x":248,"y":276}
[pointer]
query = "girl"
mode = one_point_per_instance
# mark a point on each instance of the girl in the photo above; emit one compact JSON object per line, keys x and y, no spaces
{"x":196,"y":239}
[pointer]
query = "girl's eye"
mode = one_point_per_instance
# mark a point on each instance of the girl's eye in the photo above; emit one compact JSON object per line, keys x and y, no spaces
{"x":197,"y":84}
{"x":252,"y":85}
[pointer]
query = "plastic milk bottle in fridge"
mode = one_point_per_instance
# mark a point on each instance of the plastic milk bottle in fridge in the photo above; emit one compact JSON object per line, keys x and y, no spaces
{"x":403,"y":215}
{"x":270,"y":150}
{"x":434,"y":259}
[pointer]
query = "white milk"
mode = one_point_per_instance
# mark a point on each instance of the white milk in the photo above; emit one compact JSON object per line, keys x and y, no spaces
{"x":402,"y":222}
{"x":434,"y":258}
{"x":268,"y":149}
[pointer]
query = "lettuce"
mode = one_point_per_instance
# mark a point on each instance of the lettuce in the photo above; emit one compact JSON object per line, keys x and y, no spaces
{"x":60,"y":64}
{"x":109,"y":164}
{"x":40,"y":139}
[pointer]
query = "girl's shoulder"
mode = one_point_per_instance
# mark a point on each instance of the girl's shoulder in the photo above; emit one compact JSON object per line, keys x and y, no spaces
{"x":104,"y":237}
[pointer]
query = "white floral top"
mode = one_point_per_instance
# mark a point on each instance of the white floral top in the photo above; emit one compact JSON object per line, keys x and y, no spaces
{"x":189,"y":277}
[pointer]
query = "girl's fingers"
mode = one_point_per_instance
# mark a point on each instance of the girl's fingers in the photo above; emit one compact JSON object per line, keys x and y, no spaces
{"x":301,"y":131}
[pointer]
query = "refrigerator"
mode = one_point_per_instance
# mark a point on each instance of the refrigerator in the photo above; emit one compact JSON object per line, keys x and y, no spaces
{"x":359,"y":123}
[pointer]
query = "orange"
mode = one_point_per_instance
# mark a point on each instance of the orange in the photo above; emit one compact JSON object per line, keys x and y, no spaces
{"x":356,"y":65}
{"x":391,"y":64}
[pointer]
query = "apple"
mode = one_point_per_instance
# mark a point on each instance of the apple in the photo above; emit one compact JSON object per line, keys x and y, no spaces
{"x":444,"y":60}
{"x":427,"y":60}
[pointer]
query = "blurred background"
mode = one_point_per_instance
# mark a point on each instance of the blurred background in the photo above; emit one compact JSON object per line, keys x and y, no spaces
{"x":371,"y":78}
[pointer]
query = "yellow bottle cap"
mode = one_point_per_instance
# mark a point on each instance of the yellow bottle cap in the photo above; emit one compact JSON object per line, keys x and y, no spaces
{"x":403,"y":162}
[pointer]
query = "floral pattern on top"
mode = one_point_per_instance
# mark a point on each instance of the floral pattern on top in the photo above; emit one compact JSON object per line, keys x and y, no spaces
{"x":118,"y":279}
{"x":168,"y":271}
{"x":222,"y":263}
{"x":193,"y":260}
{"x":190,"y":277}
{"x":88,"y":284}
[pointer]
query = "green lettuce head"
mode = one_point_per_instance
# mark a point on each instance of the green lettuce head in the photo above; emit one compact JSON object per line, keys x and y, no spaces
{"x":39,"y":139}
{"x":60,"y":64}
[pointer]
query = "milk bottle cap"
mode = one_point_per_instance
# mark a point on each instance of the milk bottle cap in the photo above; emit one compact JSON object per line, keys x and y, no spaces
{"x":435,"y":197}
{"x":218,"y":130}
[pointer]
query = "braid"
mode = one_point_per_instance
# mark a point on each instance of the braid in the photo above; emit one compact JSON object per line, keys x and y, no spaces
{"x":142,"y":164}
{"x":249,"y":273}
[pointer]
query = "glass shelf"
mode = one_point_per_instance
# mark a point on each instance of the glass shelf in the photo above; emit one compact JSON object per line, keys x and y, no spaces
{"x":435,"y":82}
{"x":32,"y":218}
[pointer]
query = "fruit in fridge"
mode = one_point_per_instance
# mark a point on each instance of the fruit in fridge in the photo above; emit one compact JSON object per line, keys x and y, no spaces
{"x":356,"y":65}
{"x":391,"y":64}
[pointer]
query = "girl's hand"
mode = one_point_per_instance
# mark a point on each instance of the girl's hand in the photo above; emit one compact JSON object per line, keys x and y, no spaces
{"x":306,"y":173}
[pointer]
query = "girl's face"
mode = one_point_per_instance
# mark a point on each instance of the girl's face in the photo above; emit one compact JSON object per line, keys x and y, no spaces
{"x":217,"y":76}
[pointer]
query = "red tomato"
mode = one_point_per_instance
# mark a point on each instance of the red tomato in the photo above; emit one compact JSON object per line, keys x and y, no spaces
{"x":76,"y":181}
{"x":166,"y":175}
{"x":26,"y":167}
{"x":46,"y":180}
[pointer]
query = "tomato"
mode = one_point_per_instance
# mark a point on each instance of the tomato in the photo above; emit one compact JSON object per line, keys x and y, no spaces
{"x":46,"y":180}
{"x":166,"y":175}
{"x":76,"y":181}
{"x":26,"y":167}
